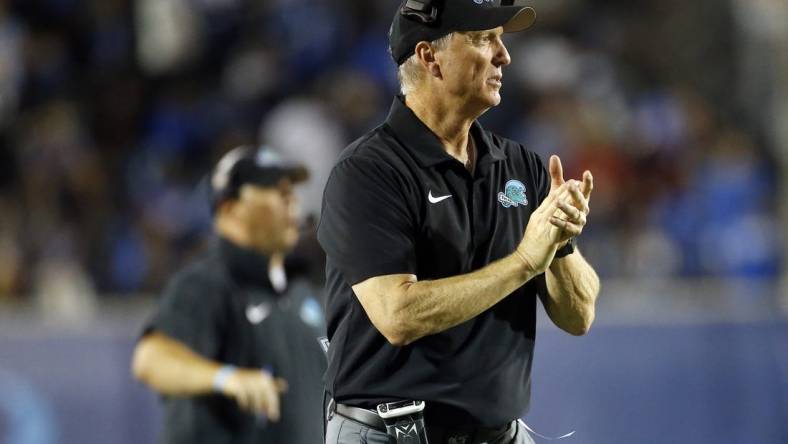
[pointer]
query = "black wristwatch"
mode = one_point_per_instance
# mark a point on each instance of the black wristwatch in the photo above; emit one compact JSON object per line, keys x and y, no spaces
{"x":567,"y":249}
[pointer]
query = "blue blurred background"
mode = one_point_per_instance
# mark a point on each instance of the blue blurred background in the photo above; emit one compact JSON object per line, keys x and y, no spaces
{"x":112,"y":111}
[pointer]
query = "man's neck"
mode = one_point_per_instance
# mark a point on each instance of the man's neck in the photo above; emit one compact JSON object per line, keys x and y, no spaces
{"x":240,"y":236}
{"x":449,"y":121}
{"x":276,"y":260}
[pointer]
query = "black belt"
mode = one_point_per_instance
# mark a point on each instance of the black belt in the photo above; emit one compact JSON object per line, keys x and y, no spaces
{"x":364,"y":416}
{"x":436,"y":434}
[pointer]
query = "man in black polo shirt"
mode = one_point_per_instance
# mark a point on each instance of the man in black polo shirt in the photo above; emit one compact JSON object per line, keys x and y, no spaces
{"x":439,"y":237}
{"x":231,"y":348}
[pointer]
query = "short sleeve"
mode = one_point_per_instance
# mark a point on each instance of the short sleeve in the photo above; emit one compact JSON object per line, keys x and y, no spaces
{"x":189,"y":312}
{"x":366,"y":227}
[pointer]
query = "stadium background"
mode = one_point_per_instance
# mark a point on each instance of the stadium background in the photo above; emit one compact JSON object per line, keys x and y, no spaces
{"x":111,"y":112}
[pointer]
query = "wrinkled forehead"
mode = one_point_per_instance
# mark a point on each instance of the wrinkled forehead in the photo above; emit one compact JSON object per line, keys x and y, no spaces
{"x":493,"y":31}
{"x":473,"y":37}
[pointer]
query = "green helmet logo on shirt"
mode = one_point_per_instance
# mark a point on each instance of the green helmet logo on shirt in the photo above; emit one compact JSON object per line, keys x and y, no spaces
{"x":513,"y":194}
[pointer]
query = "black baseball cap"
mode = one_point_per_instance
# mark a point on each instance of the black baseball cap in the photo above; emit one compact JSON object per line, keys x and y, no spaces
{"x":428,"y":20}
{"x":254,"y":165}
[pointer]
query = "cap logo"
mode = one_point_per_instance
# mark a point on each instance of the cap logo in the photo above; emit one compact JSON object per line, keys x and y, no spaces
{"x":513,"y":194}
{"x":479,"y":2}
{"x":266,"y":157}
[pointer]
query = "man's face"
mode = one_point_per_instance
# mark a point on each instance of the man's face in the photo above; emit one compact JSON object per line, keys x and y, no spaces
{"x":269,"y":215}
{"x":471,"y":66}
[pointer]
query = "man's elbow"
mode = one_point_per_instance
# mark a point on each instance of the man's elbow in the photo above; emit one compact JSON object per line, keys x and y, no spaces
{"x":578,"y":330}
{"x":396,"y":327}
{"x":580,"y":324}
{"x":396,"y":340}
{"x":396,"y":333}
{"x":141,"y":363}
{"x":393,"y":319}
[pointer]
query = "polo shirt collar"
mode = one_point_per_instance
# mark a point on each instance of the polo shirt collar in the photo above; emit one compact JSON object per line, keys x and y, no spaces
{"x":246,"y":266}
{"x":425,"y":145}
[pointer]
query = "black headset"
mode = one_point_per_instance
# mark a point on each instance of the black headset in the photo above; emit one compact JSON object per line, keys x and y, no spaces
{"x":426,"y":11}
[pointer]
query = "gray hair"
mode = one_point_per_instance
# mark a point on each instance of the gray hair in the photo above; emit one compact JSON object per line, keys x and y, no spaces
{"x":411,"y":73}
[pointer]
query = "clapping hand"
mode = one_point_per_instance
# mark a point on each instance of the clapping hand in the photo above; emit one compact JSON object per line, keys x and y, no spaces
{"x":561,"y":216}
{"x":572,"y":201}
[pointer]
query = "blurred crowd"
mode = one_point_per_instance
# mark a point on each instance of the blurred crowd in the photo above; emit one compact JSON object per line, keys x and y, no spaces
{"x":112,"y":112}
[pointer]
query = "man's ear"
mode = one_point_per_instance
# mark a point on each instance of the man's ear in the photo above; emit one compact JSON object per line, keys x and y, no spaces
{"x":426,"y":55}
{"x":226,"y":207}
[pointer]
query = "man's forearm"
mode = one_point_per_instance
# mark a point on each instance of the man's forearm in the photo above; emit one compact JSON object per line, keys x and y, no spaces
{"x":171,"y":368}
{"x":573,"y":287}
{"x":429,"y":307}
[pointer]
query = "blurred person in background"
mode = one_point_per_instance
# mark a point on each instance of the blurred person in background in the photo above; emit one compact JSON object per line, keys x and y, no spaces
{"x":439,"y":237}
{"x":231,"y":348}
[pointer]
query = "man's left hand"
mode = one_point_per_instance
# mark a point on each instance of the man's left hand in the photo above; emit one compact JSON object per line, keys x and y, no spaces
{"x":573,"y":203}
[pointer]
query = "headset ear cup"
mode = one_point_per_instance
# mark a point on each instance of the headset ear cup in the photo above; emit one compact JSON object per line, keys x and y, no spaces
{"x":418,"y":5}
{"x":422,"y":10}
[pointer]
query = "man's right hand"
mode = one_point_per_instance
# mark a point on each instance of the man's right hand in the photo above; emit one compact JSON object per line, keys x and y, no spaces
{"x":256,"y":391}
{"x":542,"y":236}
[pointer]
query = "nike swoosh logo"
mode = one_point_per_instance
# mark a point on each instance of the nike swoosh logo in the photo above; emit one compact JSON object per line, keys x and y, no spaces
{"x":434,"y":199}
{"x":257,"y":313}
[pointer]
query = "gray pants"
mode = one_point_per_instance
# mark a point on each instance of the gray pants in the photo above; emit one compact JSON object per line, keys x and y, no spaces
{"x":342,"y":430}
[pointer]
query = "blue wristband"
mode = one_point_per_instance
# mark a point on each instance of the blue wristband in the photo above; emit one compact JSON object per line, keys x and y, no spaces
{"x":220,"y":379}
